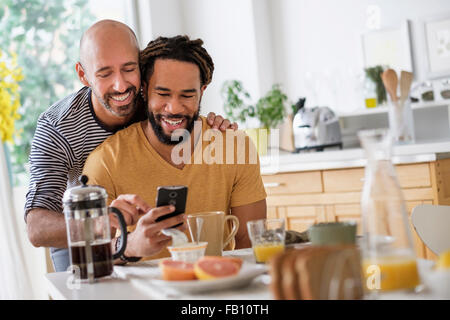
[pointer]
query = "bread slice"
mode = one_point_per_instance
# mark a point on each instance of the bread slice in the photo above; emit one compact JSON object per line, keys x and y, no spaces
{"x":289,"y":281}
{"x":330,"y":272}
{"x":317,"y":273}
{"x":276,"y":276}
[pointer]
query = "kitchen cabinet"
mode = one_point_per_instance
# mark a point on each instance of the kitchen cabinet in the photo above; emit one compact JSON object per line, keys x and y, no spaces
{"x":332,"y":195}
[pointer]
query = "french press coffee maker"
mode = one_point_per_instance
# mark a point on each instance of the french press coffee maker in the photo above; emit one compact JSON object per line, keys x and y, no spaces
{"x":89,"y":232}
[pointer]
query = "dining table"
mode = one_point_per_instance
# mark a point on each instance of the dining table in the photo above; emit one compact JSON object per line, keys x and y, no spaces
{"x":135,"y":281}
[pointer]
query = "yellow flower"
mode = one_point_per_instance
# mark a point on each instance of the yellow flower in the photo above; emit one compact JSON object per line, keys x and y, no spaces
{"x":10,"y":75}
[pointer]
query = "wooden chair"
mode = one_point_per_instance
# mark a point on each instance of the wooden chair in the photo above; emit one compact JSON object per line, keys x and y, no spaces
{"x":432,"y":224}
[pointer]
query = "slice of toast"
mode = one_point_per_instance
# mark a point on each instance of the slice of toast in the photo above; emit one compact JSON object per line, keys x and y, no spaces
{"x":330,"y":272}
{"x":276,"y":276}
{"x":289,"y":281}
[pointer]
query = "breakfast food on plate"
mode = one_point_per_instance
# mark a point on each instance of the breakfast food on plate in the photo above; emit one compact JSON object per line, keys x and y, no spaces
{"x":317,"y":272}
{"x":289,"y":281}
{"x":210,"y":267}
{"x":238,"y":261}
{"x":443,"y":262}
{"x":176,"y":270}
{"x":293,"y":237}
{"x":276,"y":275}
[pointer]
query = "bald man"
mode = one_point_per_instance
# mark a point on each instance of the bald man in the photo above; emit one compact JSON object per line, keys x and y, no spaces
{"x":73,"y":127}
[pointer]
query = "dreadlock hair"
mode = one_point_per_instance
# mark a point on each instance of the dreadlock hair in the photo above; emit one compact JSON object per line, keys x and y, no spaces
{"x":179,"y":48}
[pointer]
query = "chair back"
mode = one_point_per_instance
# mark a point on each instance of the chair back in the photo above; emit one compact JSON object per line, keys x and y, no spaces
{"x":432,"y":224}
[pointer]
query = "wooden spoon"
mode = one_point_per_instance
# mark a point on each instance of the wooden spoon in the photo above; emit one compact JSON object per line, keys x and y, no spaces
{"x":406,"y":79}
{"x":390,"y":81}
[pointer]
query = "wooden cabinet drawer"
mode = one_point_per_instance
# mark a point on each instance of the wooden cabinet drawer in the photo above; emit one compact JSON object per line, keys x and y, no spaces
{"x":409,"y":176}
{"x":343,"y":180}
{"x":291,"y":183}
{"x":414,"y":175}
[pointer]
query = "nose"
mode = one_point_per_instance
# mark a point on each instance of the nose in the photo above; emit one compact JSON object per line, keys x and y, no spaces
{"x":119,"y":83}
{"x":174,"y":106}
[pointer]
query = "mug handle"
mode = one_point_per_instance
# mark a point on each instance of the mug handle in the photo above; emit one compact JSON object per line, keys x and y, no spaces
{"x":233,"y":230}
{"x":123,"y":232}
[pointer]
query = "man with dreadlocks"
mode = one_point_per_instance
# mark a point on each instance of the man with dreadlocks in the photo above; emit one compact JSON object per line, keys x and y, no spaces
{"x":175,"y":73}
{"x":70,"y":129}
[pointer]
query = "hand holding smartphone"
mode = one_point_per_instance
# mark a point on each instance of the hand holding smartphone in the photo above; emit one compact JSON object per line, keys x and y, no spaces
{"x":172,"y":195}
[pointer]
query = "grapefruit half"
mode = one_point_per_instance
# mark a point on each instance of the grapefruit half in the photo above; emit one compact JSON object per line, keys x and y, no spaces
{"x":208,"y":268}
{"x":173,"y":270}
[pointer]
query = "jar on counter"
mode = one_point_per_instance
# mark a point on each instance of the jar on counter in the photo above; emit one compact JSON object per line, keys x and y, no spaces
{"x":426,"y":91}
{"x":445,"y":89}
{"x":370,"y":93}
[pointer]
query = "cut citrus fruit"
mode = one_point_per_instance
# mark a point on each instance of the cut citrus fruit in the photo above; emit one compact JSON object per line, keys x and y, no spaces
{"x":443,"y":260}
{"x":208,"y":268}
{"x":173,"y":270}
{"x":238,"y":261}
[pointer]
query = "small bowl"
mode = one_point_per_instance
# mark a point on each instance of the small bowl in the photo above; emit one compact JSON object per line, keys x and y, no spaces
{"x":438,"y":282}
{"x":188,"y":252}
{"x":332,"y":233}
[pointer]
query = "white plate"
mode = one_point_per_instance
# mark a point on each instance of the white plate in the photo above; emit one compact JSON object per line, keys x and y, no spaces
{"x":248,"y":272}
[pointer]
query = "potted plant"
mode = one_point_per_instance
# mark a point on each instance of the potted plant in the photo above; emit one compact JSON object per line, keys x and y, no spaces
{"x":269,"y":110}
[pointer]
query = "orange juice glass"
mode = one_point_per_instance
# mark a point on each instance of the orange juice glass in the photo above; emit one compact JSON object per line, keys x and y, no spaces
{"x":391,"y":273}
{"x":267,"y":237}
{"x":263,"y":252}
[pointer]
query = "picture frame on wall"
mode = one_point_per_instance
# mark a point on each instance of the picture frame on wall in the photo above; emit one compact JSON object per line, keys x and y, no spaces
{"x":388,"y":47}
{"x":437,"y":44}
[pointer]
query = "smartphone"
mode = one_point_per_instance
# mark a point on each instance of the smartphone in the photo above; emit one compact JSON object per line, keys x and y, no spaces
{"x":172,"y":195}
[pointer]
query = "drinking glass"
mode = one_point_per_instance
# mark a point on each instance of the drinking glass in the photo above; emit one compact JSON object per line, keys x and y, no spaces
{"x":267,"y":237}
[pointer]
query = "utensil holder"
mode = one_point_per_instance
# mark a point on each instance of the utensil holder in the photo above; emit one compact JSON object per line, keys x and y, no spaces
{"x":401,"y":122}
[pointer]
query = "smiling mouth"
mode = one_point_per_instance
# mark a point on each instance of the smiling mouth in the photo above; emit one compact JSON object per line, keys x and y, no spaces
{"x":121,"y":97}
{"x":172,"y":122}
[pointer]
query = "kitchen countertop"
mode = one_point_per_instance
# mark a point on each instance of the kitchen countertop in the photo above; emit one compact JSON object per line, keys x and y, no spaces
{"x":280,"y":161}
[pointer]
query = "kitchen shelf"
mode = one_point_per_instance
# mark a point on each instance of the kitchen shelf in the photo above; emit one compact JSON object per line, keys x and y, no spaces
{"x":384,"y":108}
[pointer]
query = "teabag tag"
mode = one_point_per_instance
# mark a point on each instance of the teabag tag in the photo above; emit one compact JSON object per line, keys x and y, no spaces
{"x":178,"y":237}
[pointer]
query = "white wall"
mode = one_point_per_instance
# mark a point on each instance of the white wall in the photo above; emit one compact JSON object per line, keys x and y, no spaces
{"x":227,"y":30}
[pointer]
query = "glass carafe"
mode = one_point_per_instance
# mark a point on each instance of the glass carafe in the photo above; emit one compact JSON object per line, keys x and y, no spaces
{"x":389,"y":261}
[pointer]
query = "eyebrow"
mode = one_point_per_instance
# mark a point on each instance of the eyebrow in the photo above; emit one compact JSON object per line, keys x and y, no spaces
{"x":131,"y":63}
{"x":168,"y":90}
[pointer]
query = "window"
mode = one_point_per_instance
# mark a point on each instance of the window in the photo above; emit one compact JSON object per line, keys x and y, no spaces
{"x":45,"y":35}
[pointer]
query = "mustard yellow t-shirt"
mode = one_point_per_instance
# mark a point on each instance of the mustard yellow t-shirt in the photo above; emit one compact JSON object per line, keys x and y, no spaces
{"x":126,"y":163}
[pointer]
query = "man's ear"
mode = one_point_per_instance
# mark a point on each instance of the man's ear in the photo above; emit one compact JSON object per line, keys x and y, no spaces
{"x":81,"y":74}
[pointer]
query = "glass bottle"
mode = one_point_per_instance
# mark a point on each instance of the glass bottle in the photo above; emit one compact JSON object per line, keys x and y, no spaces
{"x":370,"y":93}
{"x":389,"y":261}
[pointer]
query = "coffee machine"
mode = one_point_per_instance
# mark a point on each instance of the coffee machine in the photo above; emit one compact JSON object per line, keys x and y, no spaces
{"x":315,"y":128}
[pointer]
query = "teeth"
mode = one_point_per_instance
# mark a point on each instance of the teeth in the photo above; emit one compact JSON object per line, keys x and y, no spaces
{"x":174,"y":123}
{"x":121,"y":97}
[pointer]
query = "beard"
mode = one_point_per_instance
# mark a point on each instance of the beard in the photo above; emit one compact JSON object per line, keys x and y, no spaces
{"x":155,"y":121}
{"x":121,"y":111}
